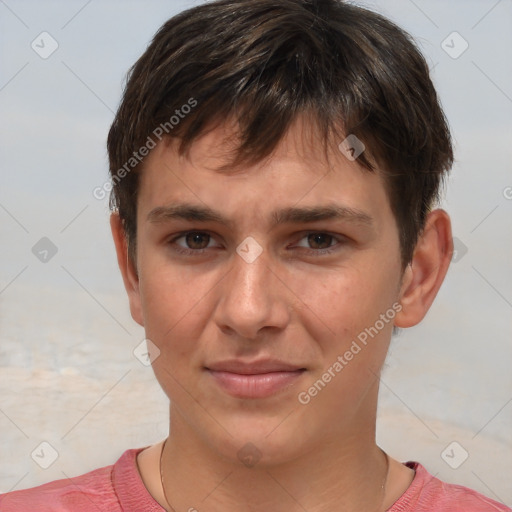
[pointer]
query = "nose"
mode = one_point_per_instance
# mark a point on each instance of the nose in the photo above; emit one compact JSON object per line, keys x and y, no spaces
{"x":252,"y":297}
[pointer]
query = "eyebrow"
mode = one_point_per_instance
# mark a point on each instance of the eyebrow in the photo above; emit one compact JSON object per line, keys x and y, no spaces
{"x":290,"y":215}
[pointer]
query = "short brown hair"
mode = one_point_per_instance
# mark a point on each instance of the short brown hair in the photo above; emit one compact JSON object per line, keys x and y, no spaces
{"x":263,"y":63}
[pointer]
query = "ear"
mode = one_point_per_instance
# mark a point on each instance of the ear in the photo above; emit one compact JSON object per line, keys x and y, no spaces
{"x":425,"y":274}
{"x":128,"y":270}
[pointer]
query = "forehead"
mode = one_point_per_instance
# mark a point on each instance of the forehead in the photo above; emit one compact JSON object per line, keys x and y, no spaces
{"x":302,"y":171}
{"x":215,"y":148}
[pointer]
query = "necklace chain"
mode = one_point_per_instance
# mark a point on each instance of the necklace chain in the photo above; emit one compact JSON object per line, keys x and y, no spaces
{"x":170,"y":508}
{"x":385,"y":481}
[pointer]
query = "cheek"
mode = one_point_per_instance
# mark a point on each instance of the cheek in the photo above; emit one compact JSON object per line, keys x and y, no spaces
{"x":343,"y":302}
{"x":352,"y":350}
{"x":174,"y":317}
{"x":173,"y":305}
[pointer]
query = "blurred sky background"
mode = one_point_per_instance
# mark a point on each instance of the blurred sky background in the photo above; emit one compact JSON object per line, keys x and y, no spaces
{"x":67,"y":372}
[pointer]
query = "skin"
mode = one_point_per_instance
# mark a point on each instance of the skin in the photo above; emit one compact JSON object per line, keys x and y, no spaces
{"x":287,"y":304}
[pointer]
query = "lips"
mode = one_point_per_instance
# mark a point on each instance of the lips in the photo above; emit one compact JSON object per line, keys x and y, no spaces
{"x":254,"y":368}
{"x":258,"y":379}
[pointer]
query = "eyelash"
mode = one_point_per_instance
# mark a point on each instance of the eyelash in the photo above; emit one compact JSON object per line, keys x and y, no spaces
{"x":309,"y":252}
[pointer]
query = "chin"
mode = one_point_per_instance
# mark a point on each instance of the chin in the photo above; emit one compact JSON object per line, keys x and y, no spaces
{"x":266,"y":444}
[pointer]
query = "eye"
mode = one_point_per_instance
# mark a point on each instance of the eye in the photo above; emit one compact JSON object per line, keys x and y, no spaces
{"x":195,"y":242}
{"x":321,"y":243}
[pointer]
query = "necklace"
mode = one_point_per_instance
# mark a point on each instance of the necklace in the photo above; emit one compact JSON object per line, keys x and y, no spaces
{"x":385,"y":481}
{"x":170,"y":508}
{"x":168,"y":505}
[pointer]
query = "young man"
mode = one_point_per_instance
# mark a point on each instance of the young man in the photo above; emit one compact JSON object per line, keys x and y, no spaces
{"x":275,"y":167}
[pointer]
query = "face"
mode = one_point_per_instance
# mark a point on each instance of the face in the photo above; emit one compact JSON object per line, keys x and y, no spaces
{"x":272,"y":323}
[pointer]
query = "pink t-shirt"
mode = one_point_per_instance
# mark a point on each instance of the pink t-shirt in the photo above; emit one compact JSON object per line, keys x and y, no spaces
{"x":119,"y":488}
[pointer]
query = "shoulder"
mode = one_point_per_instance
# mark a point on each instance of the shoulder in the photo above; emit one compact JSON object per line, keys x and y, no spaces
{"x":94,"y":490}
{"x":78,"y":493}
{"x":428,"y":493}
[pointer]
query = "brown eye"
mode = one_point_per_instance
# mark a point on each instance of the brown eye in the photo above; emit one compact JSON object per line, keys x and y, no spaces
{"x":320,"y":240}
{"x":193,"y":243}
{"x":318,"y":243}
{"x":197,"y":240}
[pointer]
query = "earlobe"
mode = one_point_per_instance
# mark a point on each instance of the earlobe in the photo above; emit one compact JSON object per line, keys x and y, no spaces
{"x":127,"y":268}
{"x":423,"y":277}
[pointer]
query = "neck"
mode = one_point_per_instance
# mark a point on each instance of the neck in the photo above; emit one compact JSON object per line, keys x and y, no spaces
{"x":344,"y":473}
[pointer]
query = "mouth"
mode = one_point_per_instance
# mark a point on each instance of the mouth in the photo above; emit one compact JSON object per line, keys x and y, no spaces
{"x":254,"y":380}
